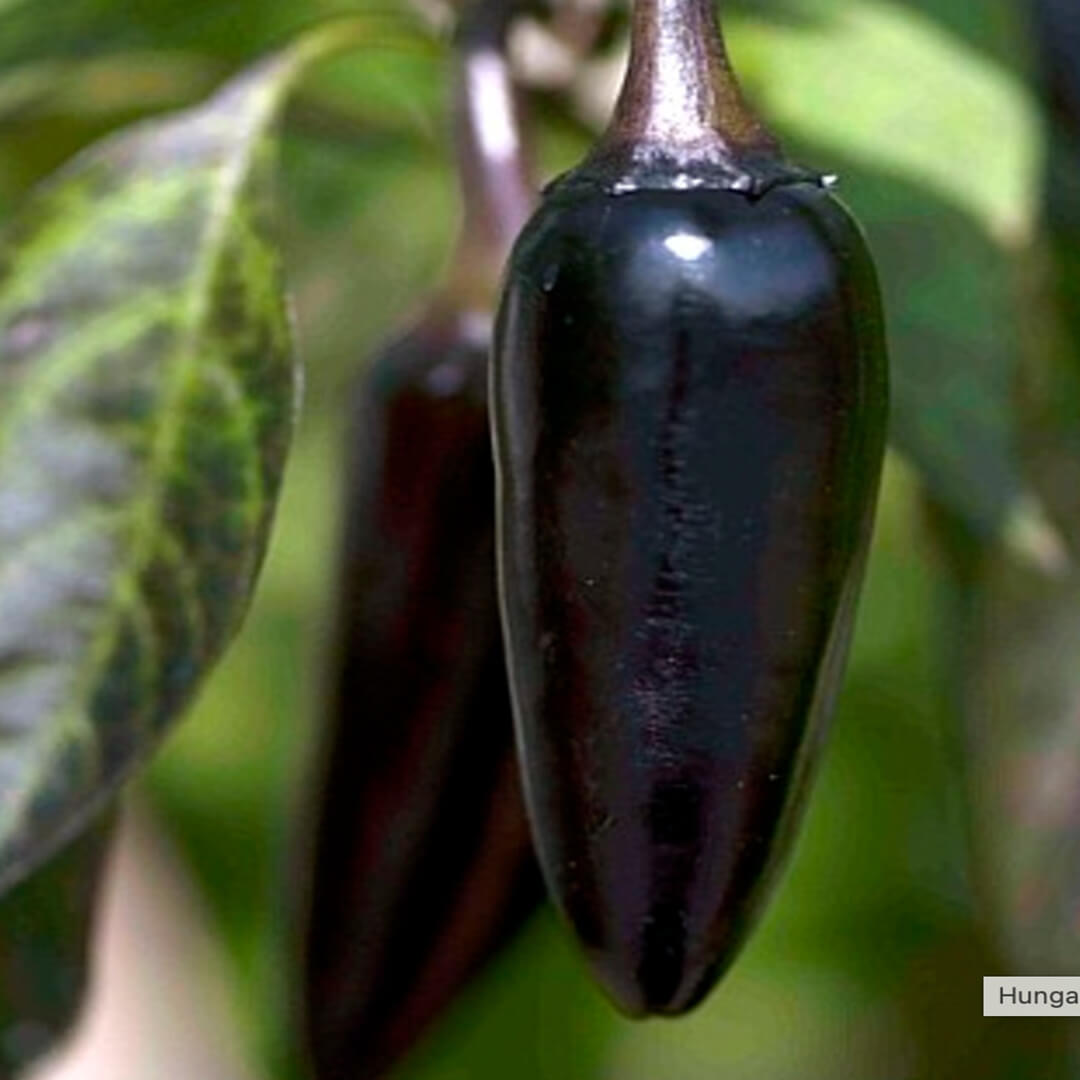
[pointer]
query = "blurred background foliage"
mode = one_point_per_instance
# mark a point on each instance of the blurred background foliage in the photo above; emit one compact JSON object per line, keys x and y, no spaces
{"x":957,"y":731}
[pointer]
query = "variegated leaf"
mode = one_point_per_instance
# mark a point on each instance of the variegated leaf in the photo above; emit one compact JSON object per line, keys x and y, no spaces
{"x":147,"y":394}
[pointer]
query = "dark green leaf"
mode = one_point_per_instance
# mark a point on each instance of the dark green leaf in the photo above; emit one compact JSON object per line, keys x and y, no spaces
{"x":45,"y":930}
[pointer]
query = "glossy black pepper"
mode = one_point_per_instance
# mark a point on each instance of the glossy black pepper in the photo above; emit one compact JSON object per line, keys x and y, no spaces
{"x":423,"y":865}
{"x":47,"y":927}
{"x":689,"y":404}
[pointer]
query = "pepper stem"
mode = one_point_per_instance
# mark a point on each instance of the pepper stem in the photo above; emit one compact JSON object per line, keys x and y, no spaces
{"x":496,"y":189}
{"x":681,"y":118}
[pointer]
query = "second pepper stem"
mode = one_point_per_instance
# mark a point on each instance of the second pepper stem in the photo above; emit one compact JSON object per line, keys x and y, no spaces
{"x":496,"y":188}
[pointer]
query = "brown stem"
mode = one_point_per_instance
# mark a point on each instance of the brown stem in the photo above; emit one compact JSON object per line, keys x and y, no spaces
{"x":681,"y":120}
{"x":680,"y":92}
{"x":496,"y":188}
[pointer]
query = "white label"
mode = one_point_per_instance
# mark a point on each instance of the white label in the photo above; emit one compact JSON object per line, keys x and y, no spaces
{"x":1049,"y":995}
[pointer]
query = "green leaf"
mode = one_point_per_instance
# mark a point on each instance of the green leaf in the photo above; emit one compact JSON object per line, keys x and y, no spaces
{"x":148,"y":389}
{"x":131,"y":82}
{"x":890,"y":89}
{"x":26,"y":33}
{"x":46,"y":924}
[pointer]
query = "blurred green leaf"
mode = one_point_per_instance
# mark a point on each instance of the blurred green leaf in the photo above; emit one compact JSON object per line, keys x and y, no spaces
{"x":994,"y":27}
{"x":28,"y":33}
{"x":45,"y":932}
{"x":125,"y":82}
{"x":889,"y":89}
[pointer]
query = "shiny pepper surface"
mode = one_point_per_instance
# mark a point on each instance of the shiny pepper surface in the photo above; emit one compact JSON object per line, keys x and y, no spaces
{"x":690,"y":403}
